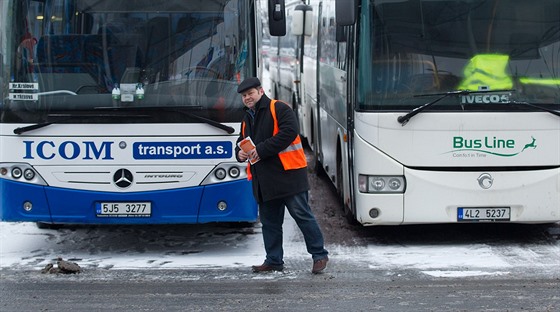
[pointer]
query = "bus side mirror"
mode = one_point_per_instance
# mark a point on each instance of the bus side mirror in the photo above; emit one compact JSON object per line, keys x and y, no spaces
{"x":277,"y":17}
{"x":301,"y":20}
{"x":346,"y":12}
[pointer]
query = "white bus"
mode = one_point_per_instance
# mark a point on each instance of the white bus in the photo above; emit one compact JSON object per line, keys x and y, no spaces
{"x":284,"y":53}
{"x":436,"y":111}
{"x":125,"y":112}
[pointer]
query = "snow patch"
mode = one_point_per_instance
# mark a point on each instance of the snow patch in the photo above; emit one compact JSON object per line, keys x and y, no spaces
{"x":439,"y":273}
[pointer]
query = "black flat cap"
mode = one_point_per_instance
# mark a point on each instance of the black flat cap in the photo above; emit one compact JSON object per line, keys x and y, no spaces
{"x":251,"y":82}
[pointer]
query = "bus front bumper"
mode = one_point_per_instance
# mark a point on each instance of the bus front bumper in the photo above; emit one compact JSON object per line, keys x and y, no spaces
{"x":225,"y":202}
{"x":453,"y":197}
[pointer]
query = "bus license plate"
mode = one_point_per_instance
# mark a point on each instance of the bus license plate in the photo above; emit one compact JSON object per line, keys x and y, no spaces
{"x":124,"y":209}
{"x":483,"y":214}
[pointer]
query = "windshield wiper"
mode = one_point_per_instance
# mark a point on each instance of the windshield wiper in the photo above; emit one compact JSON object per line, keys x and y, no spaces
{"x":67,"y":117}
{"x":178,"y":109}
{"x":406,"y":117}
{"x":211,"y":122}
{"x":545,"y":109}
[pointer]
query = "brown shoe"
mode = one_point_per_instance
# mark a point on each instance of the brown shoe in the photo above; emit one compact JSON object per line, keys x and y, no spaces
{"x":319,"y":265}
{"x":266,"y":268}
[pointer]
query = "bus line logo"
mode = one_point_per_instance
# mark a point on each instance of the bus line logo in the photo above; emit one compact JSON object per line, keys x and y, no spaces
{"x":480,"y":147}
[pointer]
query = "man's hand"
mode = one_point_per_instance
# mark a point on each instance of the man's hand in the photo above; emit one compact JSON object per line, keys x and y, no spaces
{"x":253,"y":155}
{"x":242,"y":155}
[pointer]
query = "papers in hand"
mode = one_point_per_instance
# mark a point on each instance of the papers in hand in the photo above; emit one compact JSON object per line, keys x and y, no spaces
{"x":247,"y":145}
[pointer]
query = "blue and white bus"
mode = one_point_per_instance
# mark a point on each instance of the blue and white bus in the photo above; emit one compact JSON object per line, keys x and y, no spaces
{"x":124,"y":112}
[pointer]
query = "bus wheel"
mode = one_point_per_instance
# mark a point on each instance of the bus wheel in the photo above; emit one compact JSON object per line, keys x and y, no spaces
{"x":314,"y":164}
{"x":349,"y":215}
{"x":339,"y":176}
{"x":347,"y":210}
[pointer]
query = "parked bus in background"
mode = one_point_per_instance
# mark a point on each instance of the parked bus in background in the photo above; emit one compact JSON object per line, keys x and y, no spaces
{"x":285,"y":67}
{"x":436,"y":111}
{"x":125,"y":112}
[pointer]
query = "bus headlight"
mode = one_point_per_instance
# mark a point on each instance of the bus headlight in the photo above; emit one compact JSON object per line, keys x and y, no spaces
{"x":220,"y":173}
{"x":29,"y":174}
{"x":234,"y":172}
{"x":395,"y":184}
{"x":381,"y":184}
{"x":226,"y":172}
{"x":376,"y":184}
{"x":17,"y":171}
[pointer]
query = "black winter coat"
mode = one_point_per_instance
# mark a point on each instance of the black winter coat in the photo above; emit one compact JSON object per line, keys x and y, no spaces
{"x":270,"y":180}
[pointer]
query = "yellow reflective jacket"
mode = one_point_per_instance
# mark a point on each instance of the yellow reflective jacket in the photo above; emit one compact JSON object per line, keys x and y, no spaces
{"x":488,"y":70}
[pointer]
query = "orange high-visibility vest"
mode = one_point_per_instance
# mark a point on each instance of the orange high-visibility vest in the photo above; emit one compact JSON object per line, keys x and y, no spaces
{"x":292,"y":157}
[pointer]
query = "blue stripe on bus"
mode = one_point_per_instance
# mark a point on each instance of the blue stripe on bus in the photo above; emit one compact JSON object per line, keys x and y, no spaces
{"x":189,"y":205}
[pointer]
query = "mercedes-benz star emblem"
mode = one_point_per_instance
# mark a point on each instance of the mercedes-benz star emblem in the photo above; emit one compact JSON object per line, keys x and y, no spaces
{"x":123,"y":178}
{"x":485,"y":181}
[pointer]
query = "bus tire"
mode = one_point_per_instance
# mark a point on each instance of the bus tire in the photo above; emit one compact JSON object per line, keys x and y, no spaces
{"x":339,"y":175}
{"x":349,"y":215}
{"x":316,"y":166}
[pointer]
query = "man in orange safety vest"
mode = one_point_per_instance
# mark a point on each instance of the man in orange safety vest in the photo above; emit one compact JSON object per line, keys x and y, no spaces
{"x":278,"y":170}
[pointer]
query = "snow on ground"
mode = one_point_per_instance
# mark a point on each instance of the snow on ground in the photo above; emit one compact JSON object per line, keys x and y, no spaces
{"x":23,"y":245}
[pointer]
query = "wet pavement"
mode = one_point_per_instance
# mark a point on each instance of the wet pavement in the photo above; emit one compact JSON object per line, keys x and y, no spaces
{"x":456,"y":267}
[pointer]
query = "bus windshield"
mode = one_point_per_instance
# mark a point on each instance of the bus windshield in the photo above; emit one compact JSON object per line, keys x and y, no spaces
{"x":85,"y":56}
{"x":412,"y":49}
